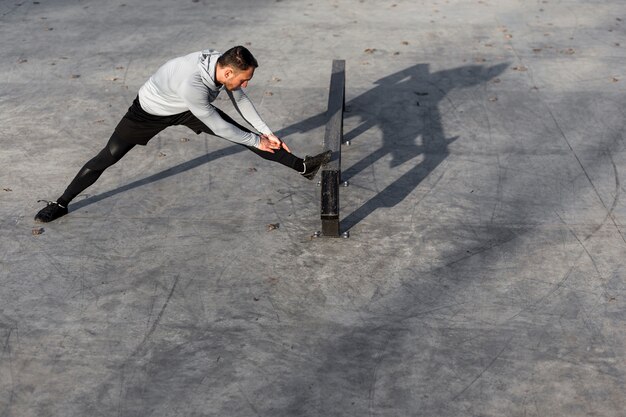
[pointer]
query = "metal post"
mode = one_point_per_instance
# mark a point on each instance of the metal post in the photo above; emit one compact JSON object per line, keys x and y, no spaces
{"x":333,"y":137}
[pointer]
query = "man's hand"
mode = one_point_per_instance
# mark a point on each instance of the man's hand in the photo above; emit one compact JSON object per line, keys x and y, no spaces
{"x":269,"y":143}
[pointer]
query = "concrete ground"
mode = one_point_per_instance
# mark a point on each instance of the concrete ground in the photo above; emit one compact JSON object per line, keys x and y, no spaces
{"x":484,"y":275}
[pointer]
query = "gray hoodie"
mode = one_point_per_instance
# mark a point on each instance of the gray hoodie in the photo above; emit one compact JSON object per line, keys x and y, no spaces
{"x":188,"y":83}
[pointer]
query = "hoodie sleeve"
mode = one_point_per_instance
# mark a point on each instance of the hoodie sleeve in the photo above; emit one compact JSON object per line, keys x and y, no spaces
{"x":194,"y":94}
{"x":247,"y":110}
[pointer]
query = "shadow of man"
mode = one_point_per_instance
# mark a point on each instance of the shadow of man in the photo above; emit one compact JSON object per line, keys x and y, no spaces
{"x":405,"y":107}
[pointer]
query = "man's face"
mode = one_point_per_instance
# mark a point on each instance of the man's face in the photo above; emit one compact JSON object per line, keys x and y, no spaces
{"x":238,"y":79}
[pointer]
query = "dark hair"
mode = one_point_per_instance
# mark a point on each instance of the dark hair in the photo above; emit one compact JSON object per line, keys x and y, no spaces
{"x":238,"y":57}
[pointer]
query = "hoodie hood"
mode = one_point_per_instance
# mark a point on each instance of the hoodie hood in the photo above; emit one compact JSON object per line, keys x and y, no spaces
{"x":208,"y":61}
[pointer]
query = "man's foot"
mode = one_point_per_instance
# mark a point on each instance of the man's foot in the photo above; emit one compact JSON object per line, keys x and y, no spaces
{"x":50,"y":212}
{"x":312,"y":164}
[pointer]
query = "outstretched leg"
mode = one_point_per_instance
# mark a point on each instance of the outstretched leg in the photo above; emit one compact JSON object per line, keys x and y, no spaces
{"x":308,"y":166}
{"x":282,"y":157}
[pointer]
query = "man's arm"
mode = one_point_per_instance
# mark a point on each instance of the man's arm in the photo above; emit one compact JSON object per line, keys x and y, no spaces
{"x":194,"y":94}
{"x":246,"y":109}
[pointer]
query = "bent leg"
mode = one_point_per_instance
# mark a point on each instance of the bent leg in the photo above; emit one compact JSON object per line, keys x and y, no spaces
{"x":114,"y":150}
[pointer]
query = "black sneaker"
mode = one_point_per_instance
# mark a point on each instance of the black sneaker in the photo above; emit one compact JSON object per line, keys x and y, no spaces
{"x":312,"y":164}
{"x":50,"y":212}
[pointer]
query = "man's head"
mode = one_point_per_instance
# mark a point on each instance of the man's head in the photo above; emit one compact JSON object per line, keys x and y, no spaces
{"x":235,"y":68}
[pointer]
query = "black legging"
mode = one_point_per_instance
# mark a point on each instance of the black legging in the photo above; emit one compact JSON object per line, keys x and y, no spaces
{"x":117,"y":147}
{"x":114,"y":150}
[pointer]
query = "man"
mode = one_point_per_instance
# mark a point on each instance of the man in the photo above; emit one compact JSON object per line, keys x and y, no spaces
{"x":181,"y":93}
